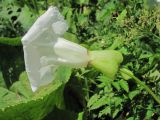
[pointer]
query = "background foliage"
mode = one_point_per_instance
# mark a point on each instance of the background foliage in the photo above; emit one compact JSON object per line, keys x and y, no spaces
{"x":129,"y":26}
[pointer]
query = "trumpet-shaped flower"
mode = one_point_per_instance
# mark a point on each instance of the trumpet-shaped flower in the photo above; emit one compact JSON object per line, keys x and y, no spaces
{"x":45,"y":49}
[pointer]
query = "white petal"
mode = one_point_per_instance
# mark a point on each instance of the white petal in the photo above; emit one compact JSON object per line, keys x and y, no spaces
{"x":38,"y":42}
{"x":34,"y":88}
{"x":44,"y":51}
{"x":60,"y":27}
{"x":70,"y":53}
{"x":44,"y":24}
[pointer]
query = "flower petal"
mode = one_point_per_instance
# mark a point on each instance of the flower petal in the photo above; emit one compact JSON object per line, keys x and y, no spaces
{"x":44,"y":50}
{"x":70,"y":53}
{"x":38,"y":42}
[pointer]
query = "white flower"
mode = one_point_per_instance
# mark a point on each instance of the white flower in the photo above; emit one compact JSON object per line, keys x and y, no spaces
{"x":45,"y":49}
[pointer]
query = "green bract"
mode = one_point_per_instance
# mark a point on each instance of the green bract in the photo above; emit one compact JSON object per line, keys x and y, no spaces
{"x":106,"y":61}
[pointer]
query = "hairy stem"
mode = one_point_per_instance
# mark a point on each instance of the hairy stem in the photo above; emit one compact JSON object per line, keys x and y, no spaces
{"x":138,"y":81}
{"x":10,"y":41}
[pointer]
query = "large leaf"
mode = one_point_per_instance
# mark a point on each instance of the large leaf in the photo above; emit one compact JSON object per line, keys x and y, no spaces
{"x":2,"y":83}
{"x":22,"y":86}
{"x":41,"y":103}
{"x":8,"y":98}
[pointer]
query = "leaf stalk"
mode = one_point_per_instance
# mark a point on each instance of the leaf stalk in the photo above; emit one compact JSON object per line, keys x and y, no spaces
{"x":138,"y":81}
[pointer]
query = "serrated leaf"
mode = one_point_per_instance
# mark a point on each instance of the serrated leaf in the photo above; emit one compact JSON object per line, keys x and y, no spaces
{"x":115,"y":112}
{"x":150,"y":112}
{"x":82,"y":20}
{"x":124,"y":85}
{"x":105,"y":80}
{"x":105,"y":13}
{"x":92,"y":100}
{"x":116,"y":85}
{"x":132,"y":94}
{"x":22,"y":87}
{"x":99,"y":103}
{"x":26,"y":18}
{"x":4,"y":13}
{"x":117,"y":101}
{"x":105,"y":111}
{"x":8,"y":98}
{"x":121,"y":17}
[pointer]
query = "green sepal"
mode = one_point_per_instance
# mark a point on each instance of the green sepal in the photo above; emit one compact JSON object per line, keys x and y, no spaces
{"x":106,"y":61}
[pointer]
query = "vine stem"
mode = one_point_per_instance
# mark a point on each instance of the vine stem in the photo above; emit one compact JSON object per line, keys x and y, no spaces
{"x":10,"y":41}
{"x":138,"y":81}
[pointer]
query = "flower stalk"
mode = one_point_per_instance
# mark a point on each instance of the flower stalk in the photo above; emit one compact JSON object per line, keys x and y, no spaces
{"x":138,"y":81}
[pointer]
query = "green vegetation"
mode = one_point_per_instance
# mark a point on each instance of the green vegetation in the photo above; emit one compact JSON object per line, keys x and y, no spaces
{"x":131,"y":27}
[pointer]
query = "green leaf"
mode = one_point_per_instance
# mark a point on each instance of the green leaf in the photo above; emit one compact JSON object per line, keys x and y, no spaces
{"x":26,"y":17}
{"x":150,"y":112}
{"x":158,"y":27}
{"x":38,"y":105}
{"x":106,"y":13}
{"x":117,"y":43}
{"x":121,"y":17}
{"x":82,"y":20}
{"x":99,"y":103}
{"x":71,"y":37}
{"x":105,"y":111}
{"x":2,"y":82}
{"x":131,"y":118}
{"x":80,"y":116}
{"x":125,"y":76}
{"x":82,"y":1}
{"x":104,"y":79}
{"x":4,"y":13}
{"x":34,"y":109}
{"x":115,"y":112}
{"x":116,"y":85}
{"x":124,"y":85}
{"x":132,"y":94}
{"x":117,"y":101}
{"x":63,"y":74}
{"x":92,"y":100}
{"x":8,"y":98}
{"x":22,"y":87}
